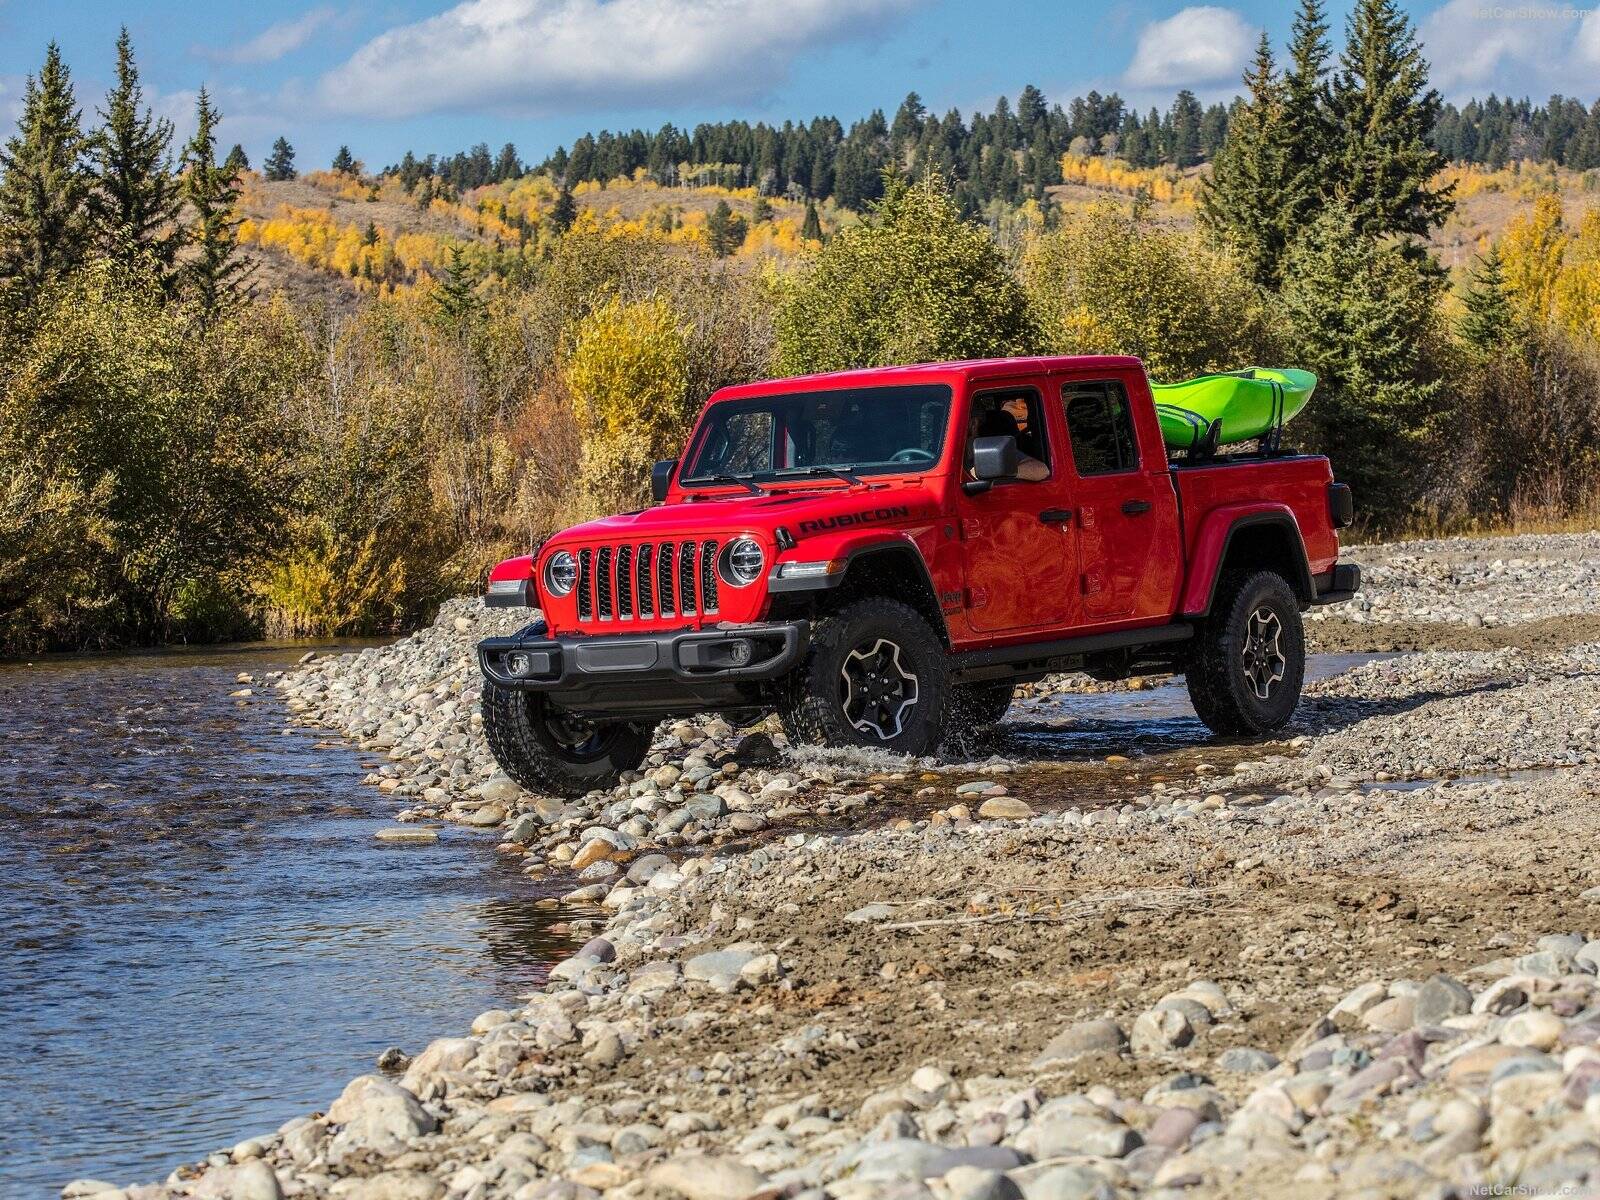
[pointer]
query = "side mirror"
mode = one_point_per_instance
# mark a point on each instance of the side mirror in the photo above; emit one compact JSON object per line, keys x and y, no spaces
{"x":661,"y":478}
{"x":994,"y":458}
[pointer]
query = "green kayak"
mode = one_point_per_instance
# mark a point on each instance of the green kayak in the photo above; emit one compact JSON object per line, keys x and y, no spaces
{"x":1249,"y":403}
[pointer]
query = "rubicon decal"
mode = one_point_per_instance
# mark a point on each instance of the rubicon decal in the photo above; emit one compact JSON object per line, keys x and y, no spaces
{"x":845,"y":520}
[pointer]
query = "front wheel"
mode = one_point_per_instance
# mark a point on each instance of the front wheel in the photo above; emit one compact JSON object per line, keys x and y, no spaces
{"x":1250,"y":655}
{"x":553,"y":752}
{"x":875,"y":675}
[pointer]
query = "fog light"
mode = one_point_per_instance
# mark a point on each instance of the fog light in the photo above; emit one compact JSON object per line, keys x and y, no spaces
{"x":519,"y":665}
{"x":740,"y":652}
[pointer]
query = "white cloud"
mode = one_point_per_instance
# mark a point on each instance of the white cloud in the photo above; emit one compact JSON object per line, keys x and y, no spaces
{"x":273,"y":42}
{"x":540,"y":56}
{"x":1475,"y":47}
{"x":1198,"y":45}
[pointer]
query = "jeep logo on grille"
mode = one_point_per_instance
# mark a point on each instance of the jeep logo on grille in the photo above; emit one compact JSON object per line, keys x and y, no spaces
{"x":844,"y":520}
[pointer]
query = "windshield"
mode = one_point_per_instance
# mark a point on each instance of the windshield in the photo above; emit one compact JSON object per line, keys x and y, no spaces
{"x":864,"y":431}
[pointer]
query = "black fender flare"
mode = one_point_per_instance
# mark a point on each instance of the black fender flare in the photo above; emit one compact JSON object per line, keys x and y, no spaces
{"x":1304,"y":587}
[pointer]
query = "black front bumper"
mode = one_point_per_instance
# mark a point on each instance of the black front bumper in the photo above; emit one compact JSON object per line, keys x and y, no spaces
{"x":675,"y":672}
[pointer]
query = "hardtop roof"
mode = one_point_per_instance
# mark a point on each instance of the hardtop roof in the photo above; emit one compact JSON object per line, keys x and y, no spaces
{"x":964,"y":371}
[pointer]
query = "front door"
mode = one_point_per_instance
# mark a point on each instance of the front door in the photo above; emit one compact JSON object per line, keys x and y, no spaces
{"x":1018,"y":534}
{"x":1125,"y":513}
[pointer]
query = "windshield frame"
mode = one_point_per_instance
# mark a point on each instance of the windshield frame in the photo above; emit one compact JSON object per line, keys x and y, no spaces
{"x":935,"y":391}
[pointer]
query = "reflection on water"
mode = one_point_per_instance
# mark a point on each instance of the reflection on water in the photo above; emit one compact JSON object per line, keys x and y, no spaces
{"x":1090,"y":725}
{"x":201,"y":937}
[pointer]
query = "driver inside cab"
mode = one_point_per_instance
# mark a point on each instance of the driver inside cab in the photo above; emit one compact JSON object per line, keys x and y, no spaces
{"x":996,"y":417}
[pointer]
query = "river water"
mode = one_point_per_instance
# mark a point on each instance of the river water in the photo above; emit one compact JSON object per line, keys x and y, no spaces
{"x":199,"y":936}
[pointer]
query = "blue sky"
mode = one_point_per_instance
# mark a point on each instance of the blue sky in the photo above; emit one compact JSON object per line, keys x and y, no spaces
{"x":387,"y":75}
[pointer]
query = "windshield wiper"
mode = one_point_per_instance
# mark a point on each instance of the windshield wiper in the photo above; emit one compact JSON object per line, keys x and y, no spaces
{"x":819,"y":472}
{"x":743,"y":481}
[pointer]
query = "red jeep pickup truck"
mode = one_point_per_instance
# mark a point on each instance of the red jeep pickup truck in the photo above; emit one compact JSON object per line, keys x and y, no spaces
{"x":881,"y":555}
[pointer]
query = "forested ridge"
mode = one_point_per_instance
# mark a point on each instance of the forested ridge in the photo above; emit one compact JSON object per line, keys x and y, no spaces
{"x":191,"y":449}
{"x":820,"y":160}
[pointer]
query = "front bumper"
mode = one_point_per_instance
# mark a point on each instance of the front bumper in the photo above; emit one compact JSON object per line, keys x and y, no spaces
{"x":616,"y":670}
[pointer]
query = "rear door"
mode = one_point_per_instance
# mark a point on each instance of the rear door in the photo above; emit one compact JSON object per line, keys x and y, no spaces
{"x":1129,"y":557}
{"x":1017,"y":535}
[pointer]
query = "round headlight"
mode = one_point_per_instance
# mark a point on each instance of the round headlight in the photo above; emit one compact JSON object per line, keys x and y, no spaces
{"x":741,"y":562}
{"x":561,"y":573}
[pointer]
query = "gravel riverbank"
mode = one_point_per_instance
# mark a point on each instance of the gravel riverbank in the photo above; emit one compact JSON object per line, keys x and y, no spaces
{"x":1359,"y":961}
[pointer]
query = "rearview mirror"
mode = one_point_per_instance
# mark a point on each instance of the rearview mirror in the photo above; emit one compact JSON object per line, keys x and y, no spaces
{"x":661,"y":478}
{"x":994,"y":458}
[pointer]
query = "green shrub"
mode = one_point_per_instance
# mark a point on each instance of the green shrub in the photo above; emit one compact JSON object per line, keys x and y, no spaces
{"x":913,"y":282}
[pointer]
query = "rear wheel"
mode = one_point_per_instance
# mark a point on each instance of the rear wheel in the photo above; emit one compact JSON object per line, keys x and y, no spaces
{"x":551,"y":751}
{"x":1250,"y":655}
{"x":875,"y":675}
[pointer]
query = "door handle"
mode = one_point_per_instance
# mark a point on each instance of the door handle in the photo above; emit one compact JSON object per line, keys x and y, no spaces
{"x":1056,"y":516}
{"x":1135,"y":508}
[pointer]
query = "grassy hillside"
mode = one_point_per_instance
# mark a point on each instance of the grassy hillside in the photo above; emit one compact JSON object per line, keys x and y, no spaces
{"x":334,"y":237}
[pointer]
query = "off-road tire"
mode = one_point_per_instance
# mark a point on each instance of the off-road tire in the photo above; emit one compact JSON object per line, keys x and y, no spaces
{"x":1224,"y":692}
{"x":516,"y":726}
{"x":814,"y":705}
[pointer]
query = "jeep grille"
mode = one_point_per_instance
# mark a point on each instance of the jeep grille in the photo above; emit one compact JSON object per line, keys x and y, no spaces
{"x":647,"y":582}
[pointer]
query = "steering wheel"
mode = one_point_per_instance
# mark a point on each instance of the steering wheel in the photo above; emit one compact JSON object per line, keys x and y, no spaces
{"x":912,"y":454}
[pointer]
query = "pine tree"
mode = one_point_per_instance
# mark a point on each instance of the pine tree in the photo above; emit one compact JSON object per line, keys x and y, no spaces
{"x":1362,"y":315}
{"x":1186,"y":117}
{"x":725,"y":230}
{"x":1489,"y":321}
{"x":280,"y":163}
{"x":136,"y":201}
{"x":215,"y":276}
{"x":1308,"y":119}
{"x":344,"y":162}
{"x":44,"y":185}
{"x":811,"y":227}
{"x":237,"y":161}
{"x":1239,"y":202}
{"x":456,"y":300}
{"x":564,"y":212}
{"x":761,"y":211}
{"x":1385,"y":112}
{"x":507,"y":165}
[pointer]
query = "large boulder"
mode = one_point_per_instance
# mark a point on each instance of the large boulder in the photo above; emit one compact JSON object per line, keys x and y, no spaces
{"x":376,"y":1115}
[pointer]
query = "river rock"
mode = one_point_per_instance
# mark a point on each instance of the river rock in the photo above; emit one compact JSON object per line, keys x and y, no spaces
{"x":250,"y":1180}
{"x":378,"y":1116}
{"x":1081,"y":1038}
{"x":1160,"y":1030}
{"x":1535,"y":1028}
{"x":1440,"y":998}
{"x":706,"y":1177}
{"x":389,"y":1185}
{"x":721,"y":968}
{"x":441,"y":1055}
{"x":1004,"y":808}
{"x":1055,"y":1136}
{"x":912,"y":1158}
{"x":979,"y":1183}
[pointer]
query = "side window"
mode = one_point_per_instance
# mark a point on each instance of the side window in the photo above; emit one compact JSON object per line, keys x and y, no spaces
{"x":1100,"y":424}
{"x":1018,"y":413}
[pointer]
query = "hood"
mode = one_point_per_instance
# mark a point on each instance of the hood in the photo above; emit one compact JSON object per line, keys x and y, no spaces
{"x":801,"y":510}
